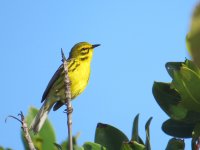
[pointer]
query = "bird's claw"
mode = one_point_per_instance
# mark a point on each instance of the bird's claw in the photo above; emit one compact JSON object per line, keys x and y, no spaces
{"x":69,"y":110}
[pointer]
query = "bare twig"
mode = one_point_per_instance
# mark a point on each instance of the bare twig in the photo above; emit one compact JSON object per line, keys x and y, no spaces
{"x":25,"y":129}
{"x":68,"y":101}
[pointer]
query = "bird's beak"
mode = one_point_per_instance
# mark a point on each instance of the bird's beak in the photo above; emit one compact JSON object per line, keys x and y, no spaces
{"x":95,"y":45}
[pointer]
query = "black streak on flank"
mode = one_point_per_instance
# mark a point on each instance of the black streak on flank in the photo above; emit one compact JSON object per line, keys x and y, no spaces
{"x":84,"y":58}
{"x":75,"y":67}
{"x":71,"y":65}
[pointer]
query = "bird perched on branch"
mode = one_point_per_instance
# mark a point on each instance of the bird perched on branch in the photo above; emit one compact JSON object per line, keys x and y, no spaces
{"x":78,"y":65}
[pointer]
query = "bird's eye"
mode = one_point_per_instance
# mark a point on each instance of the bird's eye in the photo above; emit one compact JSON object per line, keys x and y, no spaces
{"x":84,"y":48}
{"x":84,"y":51}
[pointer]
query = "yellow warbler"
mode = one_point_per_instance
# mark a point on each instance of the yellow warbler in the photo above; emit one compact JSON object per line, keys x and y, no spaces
{"x":79,"y":72}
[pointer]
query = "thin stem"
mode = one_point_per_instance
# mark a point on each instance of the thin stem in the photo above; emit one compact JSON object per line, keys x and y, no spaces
{"x":68,"y":101}
{"x":25,"y":129}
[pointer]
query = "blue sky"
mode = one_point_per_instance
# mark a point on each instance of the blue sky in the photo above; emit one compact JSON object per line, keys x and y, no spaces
{"x":137,"y":38}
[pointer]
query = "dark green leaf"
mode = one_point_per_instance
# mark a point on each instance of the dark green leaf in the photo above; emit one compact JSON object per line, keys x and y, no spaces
{"x":135,"y":134}
{"x":173,"y":66}
{"x":45,"y":139}
{"x":109,"y":136}
{"x":176,"y":66}
{"x":192,"y":117}
{"x":178,"y":129}
{"x":169,"y":100}
{"x":147,"y":143}
{"x":93,"y":146}
{"x":175,"y":144}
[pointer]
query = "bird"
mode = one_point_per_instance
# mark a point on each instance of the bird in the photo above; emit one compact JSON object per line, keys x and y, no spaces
{"x":78,"y":65}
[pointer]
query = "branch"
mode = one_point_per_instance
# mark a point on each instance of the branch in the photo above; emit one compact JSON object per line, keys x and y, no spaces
{"x":25,"y":129}
{"x":68,"y":101}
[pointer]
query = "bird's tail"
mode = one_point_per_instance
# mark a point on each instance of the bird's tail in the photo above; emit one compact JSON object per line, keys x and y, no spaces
{"x":41,"y":116}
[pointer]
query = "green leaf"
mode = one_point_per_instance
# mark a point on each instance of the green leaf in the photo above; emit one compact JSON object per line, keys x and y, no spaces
{"x":135,"y":134}
{"x":126,"y":146}
{"x":187,"y":82}
{"x":175,"y":144}
{"x":1,"y":148}
{"x":137,"y":146}
{"x":173,"y":66}
{"x":178,"y":128}
{"x":93,"y":146}
{"x":64,"y":144}
{"x":147,"y":143}
{"x":76,"y":147}
{"x":178,"y":112}
{"x":59,"y":147}
{"x":132,"y":145}
{"x":192,"y":42}
{"x":193,"y":37}
{"x":169,"y":100}
{"x":45,"y":139}
{"x":191,"y":65}
{"x":109,"y":136}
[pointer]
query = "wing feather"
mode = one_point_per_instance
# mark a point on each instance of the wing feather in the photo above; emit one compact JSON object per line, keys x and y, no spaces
{"x":72,"y":64}
{"x":51,"y":82}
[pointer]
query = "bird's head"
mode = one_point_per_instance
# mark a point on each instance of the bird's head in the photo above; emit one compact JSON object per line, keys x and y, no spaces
{"x":82,"y":50}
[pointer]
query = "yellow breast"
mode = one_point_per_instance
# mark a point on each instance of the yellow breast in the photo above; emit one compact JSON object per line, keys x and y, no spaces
{"x":79,"y":78}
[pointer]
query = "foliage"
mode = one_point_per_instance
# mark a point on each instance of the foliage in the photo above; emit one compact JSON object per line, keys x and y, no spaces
{"x":45,"y":138}
{"x":175,"y":144}
{"x":180,"y":98}
{"x":107,"y":137}
{"x":193,"y":36}
{"x":1,"y":148}
{"x":114,"y":139}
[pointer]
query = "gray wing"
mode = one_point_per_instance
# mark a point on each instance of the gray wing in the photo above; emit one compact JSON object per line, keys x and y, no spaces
{"x":51,"y":82}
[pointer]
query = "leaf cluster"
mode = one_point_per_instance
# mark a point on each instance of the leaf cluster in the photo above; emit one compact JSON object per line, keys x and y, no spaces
{"x":107,"y":137}
{"x":180,"y":98}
